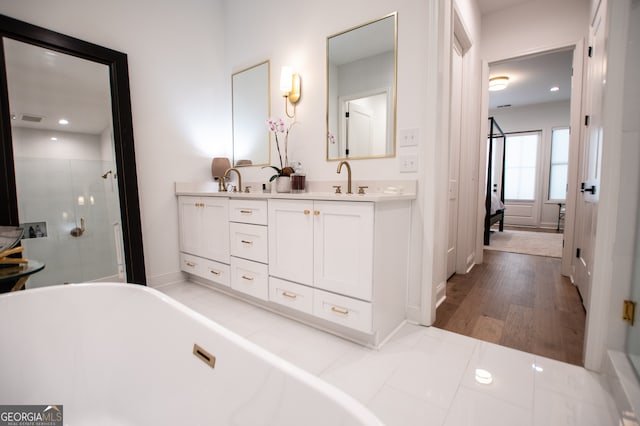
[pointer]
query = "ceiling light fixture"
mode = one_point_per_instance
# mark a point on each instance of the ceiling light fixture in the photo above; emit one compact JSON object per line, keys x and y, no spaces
{"x":498,"y":83}
{"x":63,"y":121}
{"x":54,"y":138}
{"x":554,"y":89}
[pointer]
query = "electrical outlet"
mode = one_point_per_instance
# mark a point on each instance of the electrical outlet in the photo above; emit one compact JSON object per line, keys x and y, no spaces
{"x":408,"y":163}
{"x":408,"y":137}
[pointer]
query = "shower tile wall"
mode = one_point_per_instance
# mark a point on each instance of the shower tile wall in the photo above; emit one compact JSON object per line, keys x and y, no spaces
{"x":60,"y":192}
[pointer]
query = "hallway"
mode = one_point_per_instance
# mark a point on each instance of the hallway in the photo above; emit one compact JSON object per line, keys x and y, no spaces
{"x":518,"y":301}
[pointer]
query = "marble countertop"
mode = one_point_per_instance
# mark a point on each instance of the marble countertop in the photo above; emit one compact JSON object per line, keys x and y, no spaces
{"x":376,"y":191}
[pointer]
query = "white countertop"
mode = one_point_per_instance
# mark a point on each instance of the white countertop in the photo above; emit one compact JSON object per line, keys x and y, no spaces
{"x":393,"y":191}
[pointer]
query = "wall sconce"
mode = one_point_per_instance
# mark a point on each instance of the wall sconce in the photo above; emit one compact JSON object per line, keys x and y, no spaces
{"x":498,"y":83}
{"x":290,"y":85}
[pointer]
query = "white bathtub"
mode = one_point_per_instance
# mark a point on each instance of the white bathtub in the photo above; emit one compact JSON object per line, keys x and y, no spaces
{"x":116,"y":354}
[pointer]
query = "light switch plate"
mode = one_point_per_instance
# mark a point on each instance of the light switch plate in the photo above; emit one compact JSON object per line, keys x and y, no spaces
{"x":409,"y":137}
{"x":408,"y":163}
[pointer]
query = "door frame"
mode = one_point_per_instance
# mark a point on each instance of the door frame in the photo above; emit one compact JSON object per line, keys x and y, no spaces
{"x":574,"y":145}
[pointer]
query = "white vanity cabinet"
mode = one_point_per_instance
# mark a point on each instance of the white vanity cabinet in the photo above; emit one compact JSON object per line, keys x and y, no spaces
{"x":248,"y":236}
{"x":339,"y":263}
{"x":204,"y":227}
{"x":324,"y":244}
{"x":204,"y":237}
{"x":348,"y":257}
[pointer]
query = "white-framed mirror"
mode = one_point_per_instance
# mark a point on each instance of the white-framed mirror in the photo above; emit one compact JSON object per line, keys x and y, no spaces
{"x":361,"y":90}
{"x":250,"y":105}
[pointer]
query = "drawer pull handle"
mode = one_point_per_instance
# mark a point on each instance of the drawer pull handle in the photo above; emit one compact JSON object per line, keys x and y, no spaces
{"x":306,"y":212}
{"x":246,"y":242}
{"x":214,"y":272}
{"x":340,"y":311}
{"x":191,"y":264}
{"x":289,"y":295}
{"x":244,"y":277}
{"x":246,"y":211}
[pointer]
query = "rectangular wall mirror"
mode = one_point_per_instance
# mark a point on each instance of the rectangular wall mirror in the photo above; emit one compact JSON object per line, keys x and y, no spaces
{"x":250,"y":104}
{"x":361,"y":91}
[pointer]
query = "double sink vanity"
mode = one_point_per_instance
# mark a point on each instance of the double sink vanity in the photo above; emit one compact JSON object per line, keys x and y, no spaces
{"x":335,"y":261}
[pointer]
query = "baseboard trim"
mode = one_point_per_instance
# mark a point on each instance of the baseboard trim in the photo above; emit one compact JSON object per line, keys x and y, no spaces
{"x":166,"y":279}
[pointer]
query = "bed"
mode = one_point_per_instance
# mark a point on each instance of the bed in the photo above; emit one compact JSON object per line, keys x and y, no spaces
{"x":494,"y":199}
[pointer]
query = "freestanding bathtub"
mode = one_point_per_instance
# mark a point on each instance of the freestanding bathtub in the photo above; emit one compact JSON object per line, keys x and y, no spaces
{"x":116,"y":354}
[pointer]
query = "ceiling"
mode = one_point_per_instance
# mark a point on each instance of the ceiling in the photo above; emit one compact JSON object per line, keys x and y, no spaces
{"x":51,"y":85}
{"x":531,"y":77}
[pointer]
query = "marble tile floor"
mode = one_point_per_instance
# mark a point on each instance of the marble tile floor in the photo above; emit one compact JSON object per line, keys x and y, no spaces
{"x":424,"y":375}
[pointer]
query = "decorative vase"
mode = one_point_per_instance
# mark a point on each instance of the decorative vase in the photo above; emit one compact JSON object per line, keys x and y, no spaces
{"x":283,"y":184}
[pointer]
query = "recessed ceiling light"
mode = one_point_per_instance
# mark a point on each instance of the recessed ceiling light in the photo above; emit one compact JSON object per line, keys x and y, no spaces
{"x":554,"y":89}
{"x":63,"y":121}
{"x":54,"y":138}
{"x":498,"y":83}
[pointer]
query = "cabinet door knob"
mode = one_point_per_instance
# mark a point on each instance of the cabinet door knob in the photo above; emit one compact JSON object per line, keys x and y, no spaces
{"x":316,"y":212}
{"x":306,"y":212}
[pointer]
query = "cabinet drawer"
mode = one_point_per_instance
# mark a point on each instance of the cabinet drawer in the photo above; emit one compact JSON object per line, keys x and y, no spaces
{"x":248,"y":211}
{"x":208,"y":269}
{"x":250,"y":278}
{"x":249,"y":241}
{"x":343,"y":310}
{"x":291,"y":295}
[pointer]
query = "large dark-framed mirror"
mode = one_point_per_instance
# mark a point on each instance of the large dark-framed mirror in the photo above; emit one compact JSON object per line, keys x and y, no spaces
{"x":124,"y":174}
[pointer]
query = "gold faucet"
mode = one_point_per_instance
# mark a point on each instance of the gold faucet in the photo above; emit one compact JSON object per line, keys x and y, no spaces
{"x":348,"y":175}
{"x":226,"y":175}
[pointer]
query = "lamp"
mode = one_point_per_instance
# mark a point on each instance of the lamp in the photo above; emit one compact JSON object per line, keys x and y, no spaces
{"x":498,"y":83}
{"x":219,"y":166}
{"x":290,"y":85}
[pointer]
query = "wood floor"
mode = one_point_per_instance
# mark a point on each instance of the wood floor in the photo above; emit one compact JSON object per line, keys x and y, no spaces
{"x":519,"y":301}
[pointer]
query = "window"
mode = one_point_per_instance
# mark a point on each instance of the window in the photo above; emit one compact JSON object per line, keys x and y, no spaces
{"x":520,"y":160}
{"x":559,"y":164}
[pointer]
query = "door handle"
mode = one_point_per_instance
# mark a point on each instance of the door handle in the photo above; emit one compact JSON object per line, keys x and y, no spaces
{"x":592,"y":190}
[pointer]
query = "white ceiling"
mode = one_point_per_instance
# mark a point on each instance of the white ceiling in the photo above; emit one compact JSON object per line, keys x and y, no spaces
{"x":54,"y":85}
{"x":531,"y":77}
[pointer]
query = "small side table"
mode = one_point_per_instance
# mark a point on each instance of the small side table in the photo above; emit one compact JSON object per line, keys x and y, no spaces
{"x":561,"y":212}
{"x":14,"y":277}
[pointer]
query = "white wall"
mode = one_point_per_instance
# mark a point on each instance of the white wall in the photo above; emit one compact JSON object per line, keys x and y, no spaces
{"x":180,"y":95}
{"x":533,"y":26}
{"x":299,"y":40}
{"x":544,"y":117}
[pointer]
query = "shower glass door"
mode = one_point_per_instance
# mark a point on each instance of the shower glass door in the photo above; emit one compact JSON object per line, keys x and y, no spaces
{"x":64,"y":157}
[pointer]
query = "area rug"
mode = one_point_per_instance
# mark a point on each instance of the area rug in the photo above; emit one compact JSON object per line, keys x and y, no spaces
{"x":527,"y":242}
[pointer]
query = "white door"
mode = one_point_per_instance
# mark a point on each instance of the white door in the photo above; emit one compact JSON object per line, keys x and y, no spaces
{"x":359,"y":122}
{"x":590,"y":161}
{"x":189,"y":214}
{"x":454,"y":155}
{"x":214,"y":229}
{"x":343,"y":248}
{"x":291,"y":240}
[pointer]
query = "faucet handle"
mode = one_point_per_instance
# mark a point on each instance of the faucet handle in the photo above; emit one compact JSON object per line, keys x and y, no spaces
{"x":337,"y":187}
{"x":361,"y":189}
{"x":247,"y":189}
